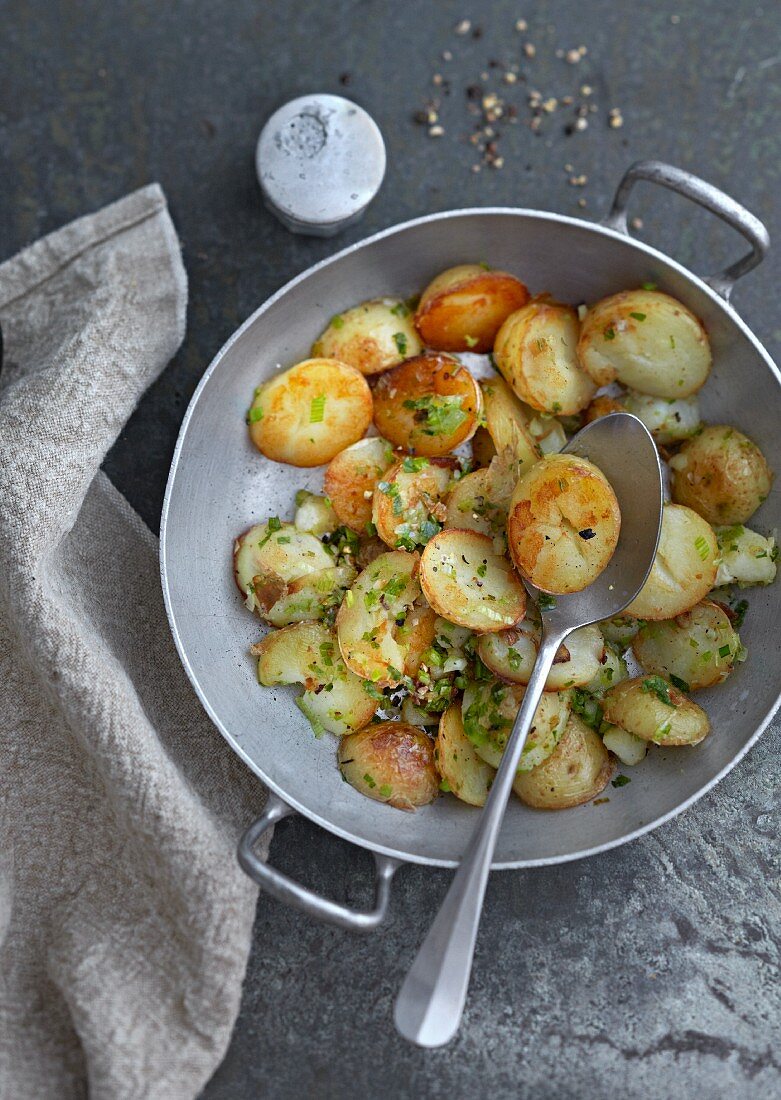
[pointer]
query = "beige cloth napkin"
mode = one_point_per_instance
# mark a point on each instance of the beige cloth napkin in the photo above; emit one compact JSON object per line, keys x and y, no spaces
{"x":125,"y":921}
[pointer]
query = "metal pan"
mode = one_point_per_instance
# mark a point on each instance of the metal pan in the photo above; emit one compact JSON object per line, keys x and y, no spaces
{"x":219,"y":485}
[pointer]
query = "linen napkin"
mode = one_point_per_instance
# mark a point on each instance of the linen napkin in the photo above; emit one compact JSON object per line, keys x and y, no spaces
{"x":125,"y":921}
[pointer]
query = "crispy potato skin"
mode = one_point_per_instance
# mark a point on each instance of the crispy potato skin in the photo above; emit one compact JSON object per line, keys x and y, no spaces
{"x":535,"y":352}
{"x":371,"y":337}
{"x":684,"y":569}
{"x":404,"y":500}
{"x":464,"y":307}
{"x":690,"y":647}
{"x":577,"y":770}
{"x":646,"y":340}
{"x":635,"y":707}
{"x":408,"y":399}
{"x":560,"y":497}
{"x":284,"y":430}
{"x":721,"y":474}
{"x":353,"y":474}
{"x":467,"y":776}
{"x":391,"y":762}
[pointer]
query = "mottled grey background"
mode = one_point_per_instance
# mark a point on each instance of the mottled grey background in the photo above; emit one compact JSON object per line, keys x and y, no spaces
{"x":651,"y":971}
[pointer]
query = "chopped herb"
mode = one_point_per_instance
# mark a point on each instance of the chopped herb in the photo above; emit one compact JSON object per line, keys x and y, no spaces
{"x":255,"y":414}
{"x":672,"y":345}
{"x":371,"y":529}
{"x":371,"y":599}
{"x":414,"y":465}
{"x":272,"y":525}
{"x":587,"y":707}
{"x":317,"y":409}
{"x":724,"y":651}
{"x":369,"y":780}
{"x":660,"y":688}
{"x":400,"y":340}
{"x":337,"y":321}
{"x":394,"y":673}
{"x":327,"y":654}
{"x":471,"y":341}
{"x":283,"y":538}
{"x":609,"y":333}
{"x":556,"y":407}
{"x":482,"y":569}
{"x":546,"y":602}
{"x":401,"y":309}
{"x":445,"y":786}
{"x":676,"y":681}
{"x":385,"y":790}
{"x":620,"y":781}
{"x":587,"y":533}
{"x":373,"y":691}
{"x":349,"y":597}
{"x":649,"y":286}
{"x":318,"y":729}
{"x":638,"y":316}
{"x":302,"y":496}
{"x":701,"y":546}
{"x":484,"y":265}
{"x":438,"y":415}
{"x":739,"y":610}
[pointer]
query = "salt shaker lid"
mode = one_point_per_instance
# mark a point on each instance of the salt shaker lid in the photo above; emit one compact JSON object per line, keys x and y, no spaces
{"x":320,"y":161}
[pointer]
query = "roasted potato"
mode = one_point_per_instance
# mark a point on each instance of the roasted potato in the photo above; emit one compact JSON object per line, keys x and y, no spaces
{"x":429,"y":405}
{"x":668,"y":420}
{"x":367,"y":622}
{"x":603,"y":405}
{"x":646,"y":340}
{"x":612,"y":669}
{"x":464,"y":307}
{"x":307,"y":414}
{"x":694,"y":650}
{"x":507,"y":425}
{"x":535,"y":352}
{"x":629,"y":749}
{"x":563,"y":523}
{"x":620,"y":630}
{"x":391,"y":762}
{"x":371,"y":337}
{"x":489,"y":709}
{"x":416,"y":635}
{"x":577,"y":770}
{"x":470,"y":505}
{"x":463,"y":771}
{"x":409,"y":507}
{"x":747,"y":558}
{"x":684,"y":569}
{"x":467,"y":582}
{"x":314,"y":514}
{"x":653,"y":710}
{"x":307,"y":653}
{"x":511,"y":655}
{"x":351,"y":478}
{"x":721,"y":474}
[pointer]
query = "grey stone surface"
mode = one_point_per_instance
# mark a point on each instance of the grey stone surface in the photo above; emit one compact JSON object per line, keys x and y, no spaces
{"x":651,"y":971}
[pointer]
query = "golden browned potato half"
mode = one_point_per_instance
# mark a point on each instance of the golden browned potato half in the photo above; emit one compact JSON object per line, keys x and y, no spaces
{"x":694,"y":650}
{"x":577,"y":770}
{"x":371,"y":337}
{"x":721,"y":474}
{"x":307,"y":414}
{"x":684,"y":569}
{"x":429,"y":405}
{"x":563,"y":523}
{"x":391,"y":762}
{"x":464,"y":307}
{"x":468,"y":583}
{"x":653,"y":710}
{"x":351,"y":477}
{"x":646,"y":340}
{"x":535,"y":350}
{"x":408,"y":505}
{"x":462,"y":770}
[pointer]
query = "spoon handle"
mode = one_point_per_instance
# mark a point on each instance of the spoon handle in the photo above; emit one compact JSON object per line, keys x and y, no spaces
{"x":431,"y":1000}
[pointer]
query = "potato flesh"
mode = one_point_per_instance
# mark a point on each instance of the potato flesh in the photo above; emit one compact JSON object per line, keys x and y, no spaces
{"x":612,"y":670}
{"x":577,"y":770}
{"x":467,"y":582}
{"x":511,"y":655}
{"x":372,"y":336}
{"x":463,"y":308}
{"x":535,"y":351}
{"x":507,"y":424}
{"x":265,"y":567}
{"x":464,"y":773}
{"x":366,"y":623}
{"x":307,"y":414}
{"x":470,"y":505}
{"x":308,"y":653}
{"x":391,"y":762}
{"x":620,"y":630}
{"x":311,"y":596}
{"x":747,"y":558}
{"x":646,"y":340}
{"x":314,"y":514}
{"x":549,"y":434}
{"x":698,"y":648}
{"x":668,"y":420}
{"x":351,"y":477}
{"x":638,"y":706}
{"x":489,"y":709}
{"x":721,"y":474}
{"x":563,"y":523}
{"x":429,"y":405}
{"x":629,"y":749}
{"x":684,"y":569}
{"x":408,"y":505}
{"x":416,"y":635}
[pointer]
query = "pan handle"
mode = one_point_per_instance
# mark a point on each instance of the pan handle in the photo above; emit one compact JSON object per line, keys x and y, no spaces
{"x":704,"y":194}
{"x":293,"y":893}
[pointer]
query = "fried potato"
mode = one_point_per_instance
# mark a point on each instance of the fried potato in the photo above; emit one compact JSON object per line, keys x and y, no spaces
{"x":694,"y":650}
{"x":391,"y":762}
{"x":351,"y":477}
{"x":366,"y":623}
{"x":416,"y":635}
{"x":603,"y":405}
{"x":511,"y":655}
{"x":629,"y":749}
{"x":429,"y":405}
{"x":721,"y":474}
{"x":684,"y":569}
{"x":563,"y":523}
{"x":577,"y":770}
{"x":535,"y":352}
{"x":668,"y":420}
{"x":371,"y":337}
{"x":470,"y":507}
{"x":467,"y":582}
{"x":747,"y":558}
{"x":464,"y":307}
{"x":646,"y":340}
{"x":507,"y":424}
{"x":314,"y":514}
{"x":489,"y":709}
{"x":653,"y":710}
{"x":307,"y":653}
{"x":307,"y":414}
{"x":408,"y":507}
{"x":463,"y":771}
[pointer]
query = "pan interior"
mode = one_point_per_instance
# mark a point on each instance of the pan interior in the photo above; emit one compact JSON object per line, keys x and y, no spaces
{"x":219,"y":485}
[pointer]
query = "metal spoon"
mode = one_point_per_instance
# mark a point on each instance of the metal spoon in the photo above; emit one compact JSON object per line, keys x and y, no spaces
{"x":429,"y":1006}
